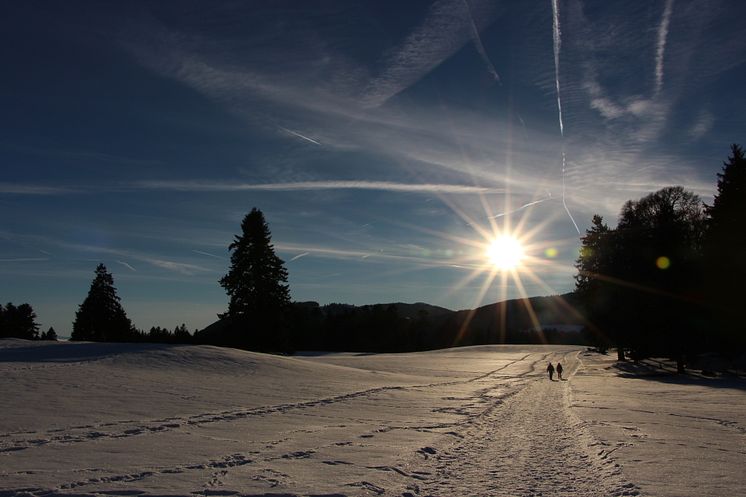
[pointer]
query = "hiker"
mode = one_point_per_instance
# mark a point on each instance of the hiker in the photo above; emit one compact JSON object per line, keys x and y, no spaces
{"x":550,"y":370}
{"x":559,"y":371}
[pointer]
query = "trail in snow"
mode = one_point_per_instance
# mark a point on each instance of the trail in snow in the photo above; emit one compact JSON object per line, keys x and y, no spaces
{"x":529,"y":444}
{"x":124,"y":420}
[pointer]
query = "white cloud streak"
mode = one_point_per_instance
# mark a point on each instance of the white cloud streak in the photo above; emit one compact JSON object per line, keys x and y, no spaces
{"x":444,"y":31}
{"x":208,"y":254}
{"x":524,"y":206}
{"x":25,"y":259}
{"x":26,"y":189}
{"x":126,"y":265}
{"x":557,"y":43}
{"x":477,"y":40}
{"x":299,"y":256}
{"x":303,"y":137}
{"x":702,"y":126}
{"x":660,"y":49}
{"x":229,"y":186}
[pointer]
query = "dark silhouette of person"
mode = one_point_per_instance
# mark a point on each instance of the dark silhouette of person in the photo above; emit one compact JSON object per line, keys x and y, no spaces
{"x":550,"y":370}
{"x":559,"y":371}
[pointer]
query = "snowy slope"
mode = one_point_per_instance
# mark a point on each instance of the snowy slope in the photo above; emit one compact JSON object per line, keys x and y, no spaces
{"x":135,"y":419}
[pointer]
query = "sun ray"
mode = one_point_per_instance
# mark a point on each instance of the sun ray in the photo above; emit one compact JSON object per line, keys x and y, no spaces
{"x":482,"y":291}
{"x":529,"y":308}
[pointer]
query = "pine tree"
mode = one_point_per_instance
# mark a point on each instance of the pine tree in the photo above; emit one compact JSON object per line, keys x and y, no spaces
{"x":18,"y":322}
{"x":724,"y":245}
{"x":101,"y":317}
{"x":256,"y":284}
{"x":594,"y":286}
{"x":50,"y":334}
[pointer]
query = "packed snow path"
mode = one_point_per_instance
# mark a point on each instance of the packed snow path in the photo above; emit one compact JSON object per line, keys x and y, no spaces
{"x":92,"y":420}
{"x":530,"y":444}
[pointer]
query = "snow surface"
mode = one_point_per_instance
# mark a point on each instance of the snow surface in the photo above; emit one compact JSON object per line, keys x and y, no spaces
{"x":85,"y":419}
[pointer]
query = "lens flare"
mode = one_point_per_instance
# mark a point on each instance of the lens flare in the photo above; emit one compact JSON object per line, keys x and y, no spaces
{"x":505,"y":252}
{"x":663,"y":262}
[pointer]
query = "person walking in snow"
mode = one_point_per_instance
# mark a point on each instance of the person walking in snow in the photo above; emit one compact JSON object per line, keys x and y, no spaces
{"x":550,"y":370}
{"x":559,"y":371}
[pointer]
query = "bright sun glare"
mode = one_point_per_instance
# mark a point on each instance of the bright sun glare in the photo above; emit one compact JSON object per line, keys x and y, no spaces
{"x":505,"y":252}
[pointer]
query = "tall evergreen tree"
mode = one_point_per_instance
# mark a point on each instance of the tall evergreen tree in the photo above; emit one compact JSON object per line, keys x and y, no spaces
{"x":50,"y":334}
{"x":257,"y":285}
{"x":724,"y":252}
{"x":101,"y":317}
{"x":595,"y":285}
{"x":661,"y":240}
{"x":641,"y":281}
{"x":18,"y":322}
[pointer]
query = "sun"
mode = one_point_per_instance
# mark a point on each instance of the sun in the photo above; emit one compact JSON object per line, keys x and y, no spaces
{"x":505,"y":252}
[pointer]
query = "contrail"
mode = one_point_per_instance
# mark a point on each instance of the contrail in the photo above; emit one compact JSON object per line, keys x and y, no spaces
{"x":299,"y":256}
{"x":25,"y":259}
{"x":208,"y":254}
{"x":295,"y":133}
{"x":549,"y":197}
{"x":557,"y":44}
{"x":660,"y":49}
{"x":232,"y":186}
{"x":126,"y":265}
{"x":480,"y":47}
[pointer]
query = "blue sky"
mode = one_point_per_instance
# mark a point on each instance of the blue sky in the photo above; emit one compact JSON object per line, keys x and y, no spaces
{"x":385,"y":142}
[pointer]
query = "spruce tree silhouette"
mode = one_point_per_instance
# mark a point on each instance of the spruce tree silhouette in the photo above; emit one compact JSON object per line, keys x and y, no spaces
{"x":257,"y":286}
{"x":50,"y":334}
{"x":593,"y":285}
{"x":640,"y":281}
{"x":18,"y":322}
{"x":101,"y":317}
{"x":724,"y":244}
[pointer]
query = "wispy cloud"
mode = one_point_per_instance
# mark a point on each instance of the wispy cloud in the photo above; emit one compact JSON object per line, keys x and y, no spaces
{"x":477,"y":40}
{"x":126,"y":265}
{"x":179,"y":267}
{"x":118,"y":254}
{"x":229,"y":186}
{"x":299,"y":135}
{"x":208,"y":254}
{"x":446,"y":28}
{"x":295,"y":258}
{"x":26,"y":189}
{"x":660,"y":49}
{"x":25,"y":259}
{"x":702,"y":126}
{"x":524,"y":206}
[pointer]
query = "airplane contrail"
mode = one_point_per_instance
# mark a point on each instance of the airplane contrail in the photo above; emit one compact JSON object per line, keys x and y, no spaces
{"x":479,"y":46}
{"x":200,"y":252}
{"x":299,"y":256}
{"x":126,"y":265}
{"x":556,"y":37}
{"x":541,"y":200}
{"x":303,"y":137}
{"x":660,"y":48}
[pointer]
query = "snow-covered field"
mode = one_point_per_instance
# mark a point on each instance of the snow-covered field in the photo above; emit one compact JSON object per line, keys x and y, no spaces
{"x":124,"y":420}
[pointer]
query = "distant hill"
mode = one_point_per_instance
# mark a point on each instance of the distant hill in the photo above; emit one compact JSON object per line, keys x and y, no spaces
{"x":400,"y":326}
{"x":520,"y":320}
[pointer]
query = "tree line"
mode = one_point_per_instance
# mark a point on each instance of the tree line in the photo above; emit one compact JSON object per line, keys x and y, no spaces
{"x":99,"y":318}
{"x":667,"y":280}
{"x":20,"y":322}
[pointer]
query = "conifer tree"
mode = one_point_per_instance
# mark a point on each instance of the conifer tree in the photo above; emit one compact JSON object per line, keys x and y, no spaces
{"x":256,"y":284}
{"x":724,"y":249}
{"x":101,"y":317}
{"x":18,"y":322}
{"x":50,"y":334}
